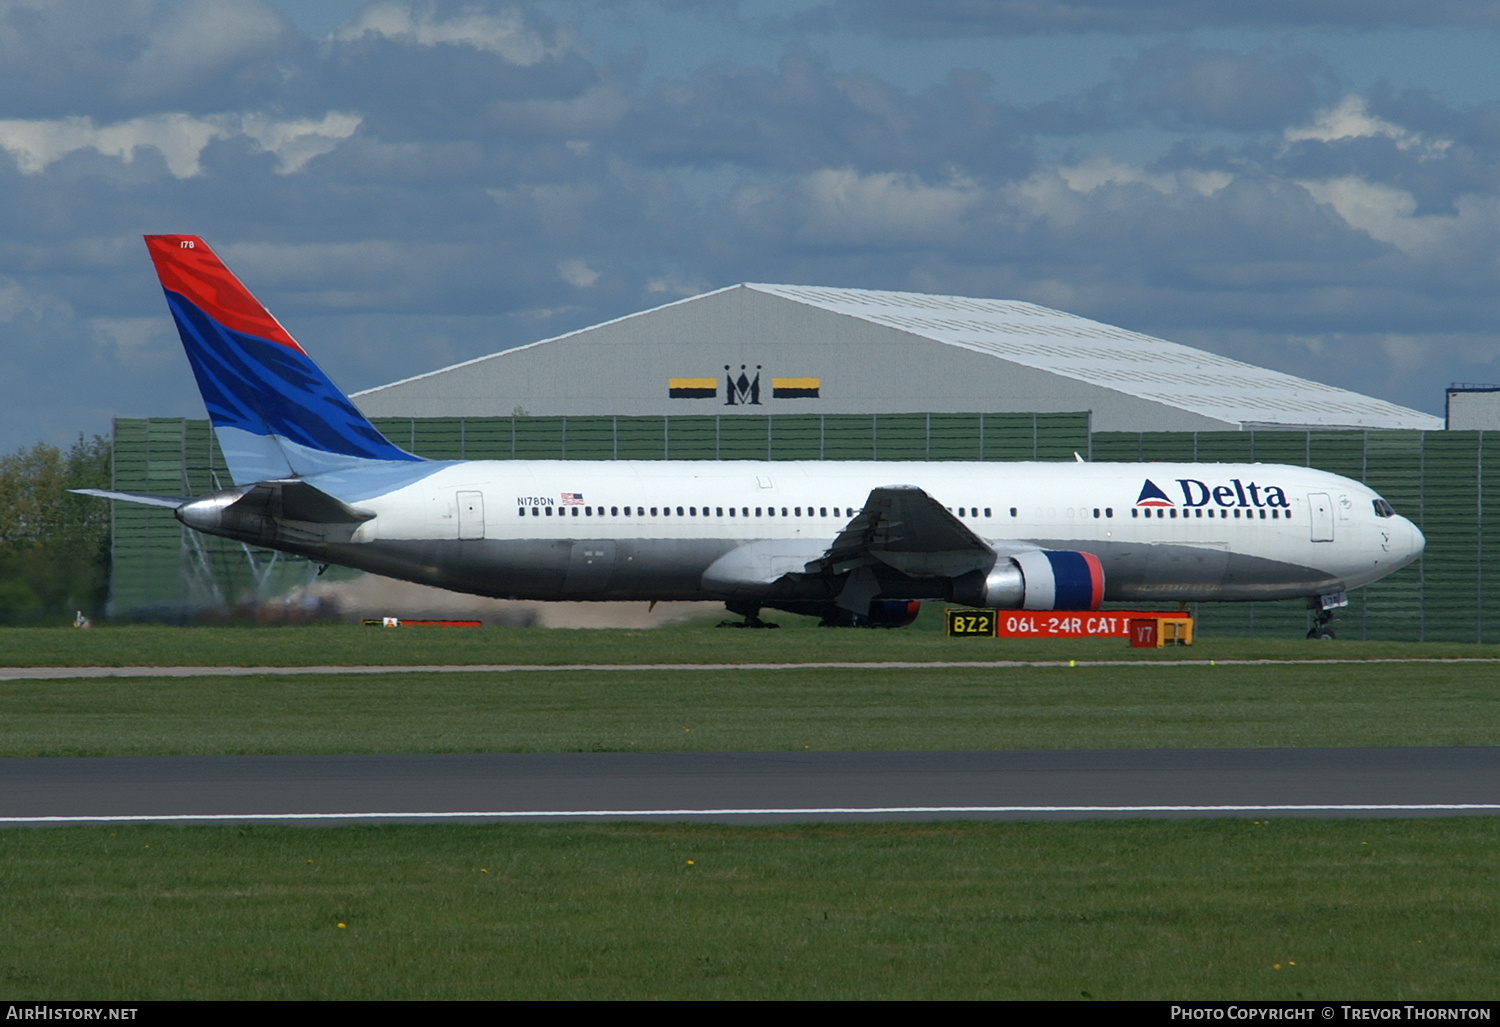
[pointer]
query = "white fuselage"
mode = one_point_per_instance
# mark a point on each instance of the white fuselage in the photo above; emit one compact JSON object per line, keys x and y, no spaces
{"x":650,"y":530}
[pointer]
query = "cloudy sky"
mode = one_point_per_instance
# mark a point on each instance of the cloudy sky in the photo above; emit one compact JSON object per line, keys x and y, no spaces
{"x":1311,"y":185}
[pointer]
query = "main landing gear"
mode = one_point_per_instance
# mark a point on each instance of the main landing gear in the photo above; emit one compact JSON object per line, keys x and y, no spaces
{"x":750,"y":612}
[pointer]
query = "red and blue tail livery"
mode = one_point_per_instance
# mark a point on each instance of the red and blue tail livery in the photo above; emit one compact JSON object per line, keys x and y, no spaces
{"x":274,"y":411}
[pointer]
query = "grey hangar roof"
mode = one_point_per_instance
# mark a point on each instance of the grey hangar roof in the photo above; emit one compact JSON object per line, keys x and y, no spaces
{"x":801,"y":349}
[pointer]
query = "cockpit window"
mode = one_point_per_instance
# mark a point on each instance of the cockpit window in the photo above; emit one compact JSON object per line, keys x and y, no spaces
{"x":1384,"y":509}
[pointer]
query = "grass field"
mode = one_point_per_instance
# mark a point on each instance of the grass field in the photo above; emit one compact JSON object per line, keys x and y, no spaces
{"x":1109,"y":910}
{"x":1148,"y":706}
{"x":1132,"y":910}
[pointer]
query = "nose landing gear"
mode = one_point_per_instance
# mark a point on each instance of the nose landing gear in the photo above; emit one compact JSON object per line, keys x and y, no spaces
{"x":1322,"y":625}
{"x":1326,"y":606}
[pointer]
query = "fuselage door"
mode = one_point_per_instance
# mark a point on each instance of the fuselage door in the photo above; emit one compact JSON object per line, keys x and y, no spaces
{"x":590,"y":566}
{"x":1320,"y":513}
{"x":471,"y":515}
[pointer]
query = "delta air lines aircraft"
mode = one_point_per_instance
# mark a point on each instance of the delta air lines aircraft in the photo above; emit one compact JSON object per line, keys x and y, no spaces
{"x":853,"y":543}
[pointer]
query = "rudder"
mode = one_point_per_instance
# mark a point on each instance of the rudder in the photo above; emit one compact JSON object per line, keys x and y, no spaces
{"x":274,"y":411}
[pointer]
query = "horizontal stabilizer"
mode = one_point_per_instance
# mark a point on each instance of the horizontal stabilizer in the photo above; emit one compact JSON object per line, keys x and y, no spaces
{"x":298,"y":501}
{"x":144,"y":498}
{"x":275,"y":513}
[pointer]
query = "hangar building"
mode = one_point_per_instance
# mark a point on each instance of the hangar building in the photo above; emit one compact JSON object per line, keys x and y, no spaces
{"x":783,"y":349}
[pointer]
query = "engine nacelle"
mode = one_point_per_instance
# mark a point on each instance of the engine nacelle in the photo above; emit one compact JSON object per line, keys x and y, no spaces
{"x":893,"y":613}
{"x":884,"y":613}
{"x":1041,"y":579}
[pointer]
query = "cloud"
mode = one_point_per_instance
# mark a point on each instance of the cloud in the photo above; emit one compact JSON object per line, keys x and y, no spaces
{"x":1351,"y":119}
{"x":841,"y":208}
{"x":510,"y":33}
{"x":198,"y":40}
{"x":577,"y":274}
{"x":1180,"y":86}
{"x":804,"y":116}
{"x":179,"y":138}
{"x":441,"y":180}
{"x":967,"y":18}
{"x":118,"y":58}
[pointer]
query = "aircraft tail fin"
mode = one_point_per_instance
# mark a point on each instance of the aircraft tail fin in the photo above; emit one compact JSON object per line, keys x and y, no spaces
{"x":274,"y":411}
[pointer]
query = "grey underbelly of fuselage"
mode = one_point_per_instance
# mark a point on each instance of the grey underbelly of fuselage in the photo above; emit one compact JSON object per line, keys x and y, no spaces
{"x":672,"y":569}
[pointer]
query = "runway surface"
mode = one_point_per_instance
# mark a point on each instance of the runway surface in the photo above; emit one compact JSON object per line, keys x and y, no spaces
{"x":755,"y":787}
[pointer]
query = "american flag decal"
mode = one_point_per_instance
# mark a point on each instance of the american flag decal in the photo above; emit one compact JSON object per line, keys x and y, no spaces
{"x":572,"y":499}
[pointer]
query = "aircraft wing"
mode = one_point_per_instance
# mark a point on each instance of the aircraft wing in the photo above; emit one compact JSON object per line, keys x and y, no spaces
{"x":904,"y":528}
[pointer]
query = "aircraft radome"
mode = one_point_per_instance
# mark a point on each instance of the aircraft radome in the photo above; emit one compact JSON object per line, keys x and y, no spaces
{"x":853,"y":543}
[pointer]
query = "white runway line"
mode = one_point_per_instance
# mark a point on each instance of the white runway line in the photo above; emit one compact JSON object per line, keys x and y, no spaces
{"x":1432,"y":807}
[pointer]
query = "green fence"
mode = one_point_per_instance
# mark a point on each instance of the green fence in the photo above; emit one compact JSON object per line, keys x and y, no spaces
{"x":745,"y":437}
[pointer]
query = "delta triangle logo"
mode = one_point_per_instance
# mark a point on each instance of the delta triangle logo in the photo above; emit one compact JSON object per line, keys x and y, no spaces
{"x":1152,"y":495}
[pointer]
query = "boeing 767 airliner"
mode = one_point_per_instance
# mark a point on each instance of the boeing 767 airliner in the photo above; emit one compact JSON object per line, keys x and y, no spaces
{"x":852,"y":543}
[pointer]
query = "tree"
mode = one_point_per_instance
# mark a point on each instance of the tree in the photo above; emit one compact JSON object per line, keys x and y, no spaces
{"x":54,"y":546}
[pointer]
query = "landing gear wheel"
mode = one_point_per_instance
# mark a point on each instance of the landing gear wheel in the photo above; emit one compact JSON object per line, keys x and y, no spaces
{"x":1322,"y":625}
{"x":751,"y":615}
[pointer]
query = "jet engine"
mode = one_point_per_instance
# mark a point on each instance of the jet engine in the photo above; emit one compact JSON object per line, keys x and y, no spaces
{"x":892,"y":613}
{"x":883,"y":613}
{"x":1039,"y":579}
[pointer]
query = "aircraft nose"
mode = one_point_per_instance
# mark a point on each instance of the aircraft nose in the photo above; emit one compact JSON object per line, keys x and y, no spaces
{"x":1418,"y":541}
